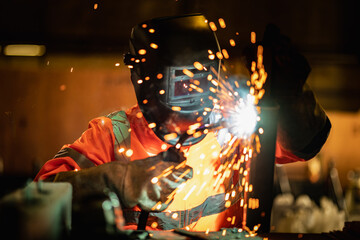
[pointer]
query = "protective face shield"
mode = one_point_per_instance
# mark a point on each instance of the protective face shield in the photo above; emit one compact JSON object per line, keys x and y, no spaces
{"x":171,"y":90}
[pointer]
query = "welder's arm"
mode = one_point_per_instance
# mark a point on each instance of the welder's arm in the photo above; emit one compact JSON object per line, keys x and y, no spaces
{"x":131,"y":181}
{"x":303,"y":125}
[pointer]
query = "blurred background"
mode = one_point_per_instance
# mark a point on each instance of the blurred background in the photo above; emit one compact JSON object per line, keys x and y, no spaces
{"x":77,"y":74}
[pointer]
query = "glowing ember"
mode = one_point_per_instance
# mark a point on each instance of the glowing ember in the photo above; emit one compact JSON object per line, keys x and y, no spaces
{"x":198,"y":66}
{"x":154,"y":46}
{"x":170,"y":136}
{"x":176,"y":108}
{"x":154,"y":180}
{"x":188,"y":73}
{"x":213,"y":26}
{"x":253,"y":37}
{"x":142,"y":51}
{"x":222,"y":23}
{"x":219,"y":55}
{"x":129,"y":152}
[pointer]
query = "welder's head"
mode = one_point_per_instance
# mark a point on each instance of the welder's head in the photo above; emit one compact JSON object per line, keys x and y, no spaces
{"x":171,"y":90}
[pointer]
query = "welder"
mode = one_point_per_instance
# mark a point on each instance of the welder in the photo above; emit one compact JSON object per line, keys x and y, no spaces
{"x":126,"y":150}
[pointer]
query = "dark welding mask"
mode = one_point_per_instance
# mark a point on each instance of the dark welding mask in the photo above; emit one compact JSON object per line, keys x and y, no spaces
{"x":172,"y":61}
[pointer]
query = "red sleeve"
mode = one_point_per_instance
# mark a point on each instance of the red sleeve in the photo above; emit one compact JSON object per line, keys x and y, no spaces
{"x":284,"y":156}
{"x":96,"y":144}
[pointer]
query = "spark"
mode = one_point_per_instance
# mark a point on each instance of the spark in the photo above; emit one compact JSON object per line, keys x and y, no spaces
{"x":183,"y":174}
{"x":202,"y":187}
{"x":129,"y":152}
{"x":176,"y":108}
{"x":219,"y":55}
{"x":154,"y":225}
{"x":213,"y":26}
{"x":211,"y":56}
{"x":154,"y":46}
{"x":142,"y":51}
{"x":225,"y":53}
{"x":253,"y":37}
{"x":189,"y":193}
{"x":198,"y":66}
{"x":222,"y":23}
{"x":233,"y":220}
{"x":139,"y":115}
{"x":261,"y":130}
{"x":188,"y":73}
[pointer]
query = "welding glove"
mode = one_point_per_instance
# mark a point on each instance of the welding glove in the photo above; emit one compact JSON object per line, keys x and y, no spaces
{"x":132,"y":181}
{"x":303,"y":125}
{"x":287,"y":68}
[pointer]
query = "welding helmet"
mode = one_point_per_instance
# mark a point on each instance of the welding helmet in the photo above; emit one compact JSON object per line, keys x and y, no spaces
{"x":171,"y":87}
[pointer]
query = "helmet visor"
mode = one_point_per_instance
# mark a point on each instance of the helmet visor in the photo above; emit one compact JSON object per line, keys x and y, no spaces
{"x":188,"y":86}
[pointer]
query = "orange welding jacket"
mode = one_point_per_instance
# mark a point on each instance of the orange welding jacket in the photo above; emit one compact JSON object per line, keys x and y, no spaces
{"x":125,"y":136}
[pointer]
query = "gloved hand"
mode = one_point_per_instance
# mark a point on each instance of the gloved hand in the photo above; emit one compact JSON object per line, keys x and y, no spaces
{"x":287,"y":68}
{"x":132,"y":180}
{"x":302,"y":123}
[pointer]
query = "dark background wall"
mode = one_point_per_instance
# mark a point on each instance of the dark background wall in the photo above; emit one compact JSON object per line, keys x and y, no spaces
{"x":47,"y":101}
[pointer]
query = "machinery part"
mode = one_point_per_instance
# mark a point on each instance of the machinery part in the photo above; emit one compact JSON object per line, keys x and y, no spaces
{"x":37,"y":211}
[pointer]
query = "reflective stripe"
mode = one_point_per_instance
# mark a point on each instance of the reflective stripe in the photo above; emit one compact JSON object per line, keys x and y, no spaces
{"x":79,"y":158}
{"x":121,"y":128}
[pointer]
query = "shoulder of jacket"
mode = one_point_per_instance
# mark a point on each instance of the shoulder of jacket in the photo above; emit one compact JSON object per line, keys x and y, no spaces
{"x":121,"y":130}
{"x":121,"y":124}
{"x":118,"y":116}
